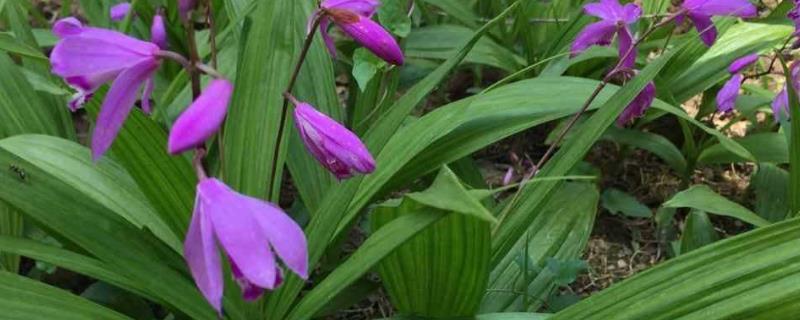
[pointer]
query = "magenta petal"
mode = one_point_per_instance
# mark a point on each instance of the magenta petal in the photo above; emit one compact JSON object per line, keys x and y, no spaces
{"x":599,"y":33}
{"x":706,"y":28}
{"x":335,"y":147}
{"x":202,"y":257}
{"x":631,"y":13}
{"x":780,"y":105}
{"x":285,"y":236}
{"x":250,"y":292}
{"x":158,"y":33}
{"x":119,"y":11}
{"x":238,"y":231}
{"x":737,"y":8}
{"x":373,"y":37}
{"x":186,"y":6}
{"x":107,"y":51}
{"x":202,"y":119}
{"x":604,"y":9}
{"x":726,"y":97}
{"x":742,"y":63}
{"x":118,"y":104}
{"x":627,"y":53}
{"x":639,"y":105}
{"x":67,"y":27}
{"x":324,"y":25}
{"x":364,"y":8}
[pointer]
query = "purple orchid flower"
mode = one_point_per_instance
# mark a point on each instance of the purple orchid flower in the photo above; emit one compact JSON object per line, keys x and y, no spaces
{"x":251,"y":232}
{"x":780,"y":106}
{"x":727,"y":96}
{"x":354,"y":17}
{"x":615,"y":19}
{"x":638,"y":106}
{"x":186,"y":6}
{"x":336,"y":148}
{"x":88,"y":57}
{"x":794,"y":14}
{"x":158,"y":33}
{"x":118,"y":12}
{"x":701,"y":11}
{"x":202,"y":119}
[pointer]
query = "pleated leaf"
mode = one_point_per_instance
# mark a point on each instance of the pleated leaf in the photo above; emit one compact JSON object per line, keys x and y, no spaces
{"x":750,"y":276}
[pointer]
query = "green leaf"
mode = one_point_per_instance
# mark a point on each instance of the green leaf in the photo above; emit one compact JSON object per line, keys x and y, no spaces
{"x":749,"y":276}
{"x":23,"y":298}
{"x":105,"y":182}
{"x":447,"y":193}
{"x":94,"y":227}
{"x":768,"y":147}
{"x":513,"y":316}
{"x":11,"y":45}
{"x":697,"y":232}
{"x":770,"y":184}
{"x":440,"y":42}
{"x":380,"y":244}
{"x":450,"y":256}
{"x":393,"y":15}
{"x":365,"y":66}
{"x":617,"y":201}
{"x":532,"y":199}
{"x":561,"y":231}
{"x":10,"y":224}
{"x":566,"y":271}
{"x":119,"y":300}
{"x":794,"y":143}
{"x":654,"y":143}
{"x":269,"y":49}
{"x":458,"y":10}
{"x":701,"y":197}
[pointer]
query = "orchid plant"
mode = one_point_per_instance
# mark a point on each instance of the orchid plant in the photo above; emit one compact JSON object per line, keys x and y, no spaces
{"x":265,"y":159}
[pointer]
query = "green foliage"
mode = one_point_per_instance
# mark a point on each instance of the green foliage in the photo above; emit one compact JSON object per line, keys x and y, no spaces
{"x":616,"y":202}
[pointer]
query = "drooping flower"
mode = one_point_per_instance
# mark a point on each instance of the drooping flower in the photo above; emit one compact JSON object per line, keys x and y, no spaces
{"x":638,"y":106}
{"x":615,"y":19}
{"x":780,"y":105}
{"x":336,"y":148}
{"x":119,"y":11}
{"x":701,"y":11}
{"x":88,"y":57}
{"x":354,"y":17}
{"x":251,"y":232}
{"x":158,"y":33}
{"x":727,"y":96}
{"x":202,"y":119}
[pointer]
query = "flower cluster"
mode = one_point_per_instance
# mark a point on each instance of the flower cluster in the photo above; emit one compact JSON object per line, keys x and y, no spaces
{"x":727,"y":96}
{"x":250,"y":231}
{"x":616,"y":19}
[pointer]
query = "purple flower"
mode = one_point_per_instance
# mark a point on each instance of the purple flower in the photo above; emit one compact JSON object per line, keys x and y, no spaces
{"x":202,"y":119}
{"x":354,"y":17}
{"x":251,"y":232}
{"x":794,"y":14}
{"x":119,"y":11}
{"x":186,"y":6}
{"x":780,"y":106}
{"x":638,"y":106}
{"x":701,"y":11}
{"x":89,"y":57}
{"x":615,"y":19}
{"x":158,"y":33}
{"x":726,"y":97}
{"x":335,"y":147}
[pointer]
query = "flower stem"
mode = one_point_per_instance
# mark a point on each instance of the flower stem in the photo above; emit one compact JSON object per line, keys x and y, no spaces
{"x":212,"y":33}
{"x":285,"y":108}
{"x":194,"y":58}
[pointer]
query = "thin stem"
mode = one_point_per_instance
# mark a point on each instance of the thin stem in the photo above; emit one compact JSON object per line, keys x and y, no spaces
{"x":285,"y":108}
{"x":194,"y":58}
{"x":177,"y":57}
{"x":197,"y":163}
{"x":212,"y":34}
{"x":771,"y":62}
